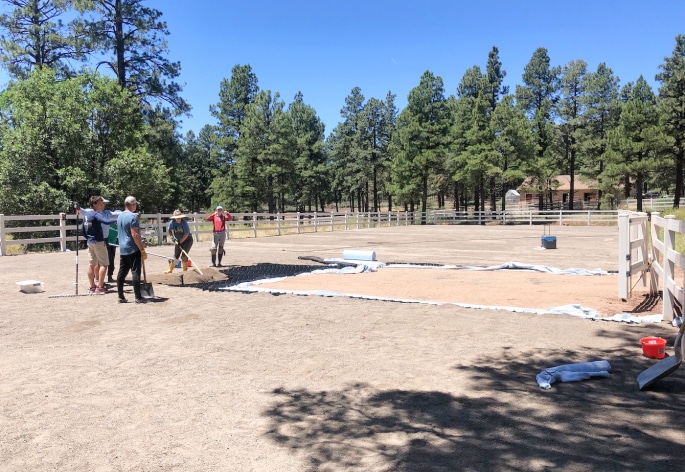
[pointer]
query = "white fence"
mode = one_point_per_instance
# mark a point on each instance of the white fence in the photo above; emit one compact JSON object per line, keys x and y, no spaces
{"x":652,"y":252}
{"x":633,"y":257}
{"x":665,"y":259}
{"x":61,"y":229}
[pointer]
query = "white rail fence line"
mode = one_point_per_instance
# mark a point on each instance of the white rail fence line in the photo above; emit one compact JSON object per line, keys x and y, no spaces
{"x":61,"y":229}
{"x":665,"y":258}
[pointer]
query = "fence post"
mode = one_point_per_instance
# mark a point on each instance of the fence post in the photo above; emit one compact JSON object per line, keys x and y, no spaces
{"x":346,"y":221}
{"x":196,"y":233}
{"x":316,"y":222}
{"x":332,"y":222}
{"x":159,"y":229}
{"x":589,"y":217}
{"x":669,"y":269}
{"x":298,"y":222}
{"x":561,"y":218}
{"x":63,"y":232}
{"x":278,"y":223}
{"x":623,"y":254}
{"x":254,"y":224}
{"x":653,"y":276}
{"x":2,"y":235}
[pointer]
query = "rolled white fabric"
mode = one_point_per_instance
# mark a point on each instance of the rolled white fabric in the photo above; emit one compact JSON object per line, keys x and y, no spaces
{"x":359,"y":255}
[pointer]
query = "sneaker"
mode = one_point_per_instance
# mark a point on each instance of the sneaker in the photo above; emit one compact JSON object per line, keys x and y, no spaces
{"x":91,"y":290}
{"x":212,"y":265}
{"x":100,"y":291}
{"x":141,"y":300}
{"x":122,"y":300}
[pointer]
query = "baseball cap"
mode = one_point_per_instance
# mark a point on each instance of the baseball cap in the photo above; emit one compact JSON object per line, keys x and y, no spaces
{"x":130,"y":200}
{"x":105,"y":200}
{"x":219,"y":207}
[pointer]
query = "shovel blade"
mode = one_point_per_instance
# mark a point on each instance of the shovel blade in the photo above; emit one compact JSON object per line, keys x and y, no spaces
{"x":146,"y":290}
{"x":658,"y":371}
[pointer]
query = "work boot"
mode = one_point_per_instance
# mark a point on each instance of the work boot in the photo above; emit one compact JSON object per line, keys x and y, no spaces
{"x":219,"y":264}
{"x":171,"y":268}
{"x":213,"y":260}
{"x":185,"y":265}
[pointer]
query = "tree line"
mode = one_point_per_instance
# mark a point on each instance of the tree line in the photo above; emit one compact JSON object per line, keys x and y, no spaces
{"x":93,"y":107}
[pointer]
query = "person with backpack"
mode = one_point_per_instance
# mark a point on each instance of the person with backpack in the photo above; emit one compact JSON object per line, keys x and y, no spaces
{"x":98,"y":257}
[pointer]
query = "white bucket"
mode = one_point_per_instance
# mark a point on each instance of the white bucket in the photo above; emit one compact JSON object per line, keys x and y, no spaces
{"x":31,"y":286}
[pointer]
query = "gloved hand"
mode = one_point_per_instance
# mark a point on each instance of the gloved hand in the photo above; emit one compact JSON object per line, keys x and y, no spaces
{"x":174,"y":240}
{"x":143,"y":255}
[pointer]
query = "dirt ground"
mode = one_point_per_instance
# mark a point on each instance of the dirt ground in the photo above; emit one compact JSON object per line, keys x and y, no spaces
{"x":215,"y":380}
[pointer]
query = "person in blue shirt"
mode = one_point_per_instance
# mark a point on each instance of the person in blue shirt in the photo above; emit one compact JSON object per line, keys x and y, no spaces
{"x":110,"y":242}
{"x":131,"y":249}
{"x":180,"y":234}
{"x":97,"y":247}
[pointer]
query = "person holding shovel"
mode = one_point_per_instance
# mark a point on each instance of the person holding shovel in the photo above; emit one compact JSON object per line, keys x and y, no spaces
{"x":183,"y":239}
{"x":131,"y":249}
{"x":219,"y":218}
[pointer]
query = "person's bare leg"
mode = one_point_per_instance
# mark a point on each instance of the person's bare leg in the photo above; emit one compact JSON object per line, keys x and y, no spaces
{"x":102,"y":272}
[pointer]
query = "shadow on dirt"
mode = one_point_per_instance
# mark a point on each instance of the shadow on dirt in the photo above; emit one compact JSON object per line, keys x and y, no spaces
{"x":504,"y":422}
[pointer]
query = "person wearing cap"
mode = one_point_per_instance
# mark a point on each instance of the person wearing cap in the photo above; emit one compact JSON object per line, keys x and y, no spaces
{"x":110,"y":243}
{"x":179,"y":230}
{"x":131,"y":249}
{"x":98,"y":259}
{"x":219,"y":218}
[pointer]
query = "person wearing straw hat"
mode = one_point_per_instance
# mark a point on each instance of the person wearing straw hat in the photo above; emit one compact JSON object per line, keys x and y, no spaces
{"x":179,"y":230}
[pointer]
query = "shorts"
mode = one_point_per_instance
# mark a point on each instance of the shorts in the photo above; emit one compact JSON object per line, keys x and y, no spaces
{"x":97,"y":254}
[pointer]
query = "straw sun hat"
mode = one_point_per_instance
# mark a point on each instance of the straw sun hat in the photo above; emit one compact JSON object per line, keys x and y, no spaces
{"x":178,"y":214}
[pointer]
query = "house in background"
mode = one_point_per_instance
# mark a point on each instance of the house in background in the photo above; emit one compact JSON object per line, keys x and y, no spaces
{"x":558,"y":193}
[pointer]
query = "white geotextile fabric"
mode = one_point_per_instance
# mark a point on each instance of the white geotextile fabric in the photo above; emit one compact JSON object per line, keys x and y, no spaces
{"x":372,"y":266}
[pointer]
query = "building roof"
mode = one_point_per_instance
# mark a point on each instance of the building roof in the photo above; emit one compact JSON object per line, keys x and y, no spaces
{"x":564,"y":183}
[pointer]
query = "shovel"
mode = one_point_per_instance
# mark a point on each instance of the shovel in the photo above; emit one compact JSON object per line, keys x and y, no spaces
{"x":194,"y":266}
{"x":146,"y":289}
{"x":666,"y":366}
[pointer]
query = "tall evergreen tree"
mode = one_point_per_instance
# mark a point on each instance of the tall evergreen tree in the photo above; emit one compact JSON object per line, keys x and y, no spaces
{"x":311,"y":170}
{"x":35,"y":36}
{"x":634,"y":144}
{"x":421,"y":143}
{"x":348,"y":152}
{"x":571,"y":109}
{"x":133,"y":36}
{"x":601,"y":112}
{"x":537,"y":96}
{"x":514,"y":144}
{"x":672,"y":110}
{"x":266,"y":154}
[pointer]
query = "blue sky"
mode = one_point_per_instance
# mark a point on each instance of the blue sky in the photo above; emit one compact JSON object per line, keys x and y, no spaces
{"x":325,"y":49}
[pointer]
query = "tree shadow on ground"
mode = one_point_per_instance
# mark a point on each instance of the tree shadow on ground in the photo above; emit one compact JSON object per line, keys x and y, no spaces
{"x":504,"y":422}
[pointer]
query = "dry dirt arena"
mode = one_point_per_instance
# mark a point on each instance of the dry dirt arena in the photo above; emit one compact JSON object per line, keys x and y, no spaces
{"x":206,"y":380}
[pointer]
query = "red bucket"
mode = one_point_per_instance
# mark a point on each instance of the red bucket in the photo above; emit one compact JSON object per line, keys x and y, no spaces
{"x":653,"y":347}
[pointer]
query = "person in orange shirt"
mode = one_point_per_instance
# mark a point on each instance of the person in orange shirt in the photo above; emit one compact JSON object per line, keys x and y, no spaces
{"x":219,"y":217}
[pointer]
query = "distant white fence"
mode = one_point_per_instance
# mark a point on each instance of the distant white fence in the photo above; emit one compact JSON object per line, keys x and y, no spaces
{"x":61,"y":229}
